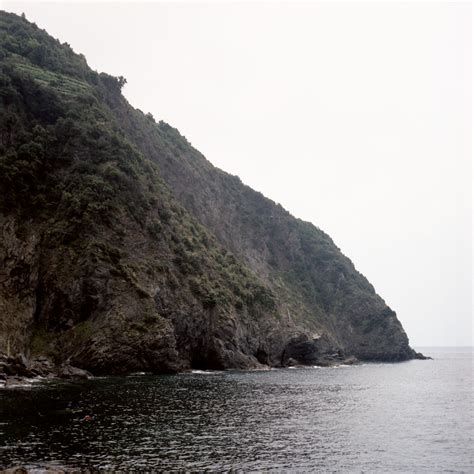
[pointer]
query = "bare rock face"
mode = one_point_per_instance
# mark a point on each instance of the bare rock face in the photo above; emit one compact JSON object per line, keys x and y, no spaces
{"x":307,"y":350}
{"x":123,"y":249}
{"x":19,"y":262}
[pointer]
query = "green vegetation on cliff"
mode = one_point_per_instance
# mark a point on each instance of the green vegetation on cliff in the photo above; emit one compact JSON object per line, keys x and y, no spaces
{"x":124,"y":249}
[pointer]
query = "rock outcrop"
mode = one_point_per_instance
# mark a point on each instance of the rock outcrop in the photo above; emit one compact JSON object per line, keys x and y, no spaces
{"x":15,"y":370}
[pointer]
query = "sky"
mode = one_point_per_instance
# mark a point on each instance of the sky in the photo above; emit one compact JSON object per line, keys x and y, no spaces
{"x":354,"y":116}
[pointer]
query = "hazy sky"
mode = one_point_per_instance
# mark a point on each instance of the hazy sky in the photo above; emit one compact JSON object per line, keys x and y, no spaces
{"x":356,"y":117}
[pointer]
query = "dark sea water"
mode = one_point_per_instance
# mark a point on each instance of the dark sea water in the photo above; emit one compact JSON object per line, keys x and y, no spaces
{"x":409,"y":417}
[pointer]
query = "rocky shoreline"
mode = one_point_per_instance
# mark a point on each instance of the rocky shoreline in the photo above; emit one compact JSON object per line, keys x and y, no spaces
{"x":18,"y":370}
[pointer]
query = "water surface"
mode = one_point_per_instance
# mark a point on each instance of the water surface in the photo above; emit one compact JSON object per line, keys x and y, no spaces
{"x":412,"y":416}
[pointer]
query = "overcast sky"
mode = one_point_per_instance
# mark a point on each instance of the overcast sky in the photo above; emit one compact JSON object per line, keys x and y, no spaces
{"x":356,"y":117}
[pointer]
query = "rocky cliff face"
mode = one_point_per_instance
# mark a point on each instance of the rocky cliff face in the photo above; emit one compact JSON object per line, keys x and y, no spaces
{"x":124,"y":249}
{"x":318,"y":286}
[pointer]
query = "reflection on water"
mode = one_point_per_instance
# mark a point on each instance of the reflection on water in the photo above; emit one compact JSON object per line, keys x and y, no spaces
{"x":401,"y":417}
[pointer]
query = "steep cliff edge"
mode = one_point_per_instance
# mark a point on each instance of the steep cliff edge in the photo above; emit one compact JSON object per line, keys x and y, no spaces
{"x":318,"y":286}
{"x":123,"y":249}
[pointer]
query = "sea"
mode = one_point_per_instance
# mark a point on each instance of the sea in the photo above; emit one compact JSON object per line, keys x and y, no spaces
{"x":414,"y":416}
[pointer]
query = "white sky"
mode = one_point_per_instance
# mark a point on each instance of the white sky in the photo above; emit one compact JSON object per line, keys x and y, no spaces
{"x":356,"y":117}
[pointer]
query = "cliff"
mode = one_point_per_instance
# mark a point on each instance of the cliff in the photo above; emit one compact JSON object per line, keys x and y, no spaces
{"x":123,"y":249}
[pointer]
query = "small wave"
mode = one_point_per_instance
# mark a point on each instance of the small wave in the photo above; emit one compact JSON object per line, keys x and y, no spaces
{"x":38,"y":379}
{"x":24,"y":383}
{"x":206,"y":372}
{"x":17,"y":385}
